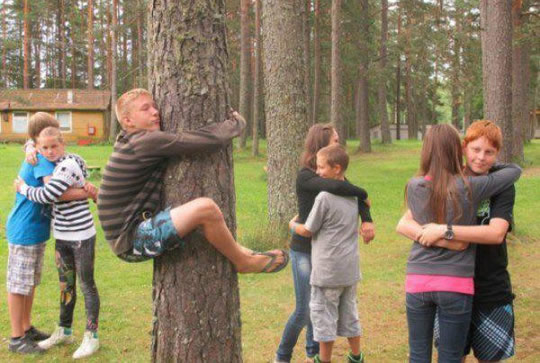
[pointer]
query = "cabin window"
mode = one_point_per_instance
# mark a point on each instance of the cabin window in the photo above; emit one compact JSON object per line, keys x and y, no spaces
{"x":20,"y":122}
{"x":64,"y":118}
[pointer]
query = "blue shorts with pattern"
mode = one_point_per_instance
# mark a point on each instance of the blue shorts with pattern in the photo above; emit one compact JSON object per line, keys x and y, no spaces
{"x":153,"y":237}
{"x":491,"y":335}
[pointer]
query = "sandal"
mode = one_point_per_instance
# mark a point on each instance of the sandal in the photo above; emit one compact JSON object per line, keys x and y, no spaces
{"x":273,"y":257}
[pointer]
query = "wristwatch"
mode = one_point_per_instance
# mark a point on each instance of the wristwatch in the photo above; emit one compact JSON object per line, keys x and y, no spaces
{"x":449,"y":233}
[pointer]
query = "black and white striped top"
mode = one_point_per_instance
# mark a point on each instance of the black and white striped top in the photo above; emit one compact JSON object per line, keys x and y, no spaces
{"x":72,"y":220}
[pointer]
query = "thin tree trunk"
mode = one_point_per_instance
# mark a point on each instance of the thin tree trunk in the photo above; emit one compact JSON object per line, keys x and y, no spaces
{"x":398,"y":83}
{"x":383,"y":113}
{"x":496,"y":32}
{"x":26,"y":44}
{"x":362,"y":109}
{"x":285,"y":101}
{"x":316,"y":63}
{"x":114,"y":26}
{"x":196,"y":300}
{"x":257,"y":94}
{"x":336,"y":83}
{"x":62,"y":33}
{"x":109,"y":47}
{"x":245,"y":65}
{"x":90,"y":44}
{"x":4,"y":47}
{"x":37,"y":54}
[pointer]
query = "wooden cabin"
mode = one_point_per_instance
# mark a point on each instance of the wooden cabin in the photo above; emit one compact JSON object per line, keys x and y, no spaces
{"x":83,"y":114}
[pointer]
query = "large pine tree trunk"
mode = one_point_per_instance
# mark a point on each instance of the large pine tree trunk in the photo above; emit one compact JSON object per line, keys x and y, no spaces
{"x":257,"y":94}
{"x":519,"y":84}
{"x":307,"y":56}
{"x":245,"y":67}
{"x":496,"y":32}
{"x":381,"y":94}
{"x":336,"y":114}
{"x":196,"y":300}
{"x":62,"y":40}
{"x":316,"y":63}
{"x":285,"y":101}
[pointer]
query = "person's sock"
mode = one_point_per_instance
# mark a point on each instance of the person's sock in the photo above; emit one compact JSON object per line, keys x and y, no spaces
{"x":67,"y":331}
{"x":14,"y":339}
{"x":94,"y":334}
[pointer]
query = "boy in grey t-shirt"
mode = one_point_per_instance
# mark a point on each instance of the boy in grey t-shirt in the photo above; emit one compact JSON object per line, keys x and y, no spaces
{"x":333,"y":226}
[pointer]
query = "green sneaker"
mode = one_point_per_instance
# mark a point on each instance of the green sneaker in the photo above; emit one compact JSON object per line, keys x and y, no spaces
{"x":352,"y":359}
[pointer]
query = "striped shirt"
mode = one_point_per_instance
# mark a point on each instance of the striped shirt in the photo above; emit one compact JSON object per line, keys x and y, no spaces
{"x":72,"y":220}
{"x":133,"y":177}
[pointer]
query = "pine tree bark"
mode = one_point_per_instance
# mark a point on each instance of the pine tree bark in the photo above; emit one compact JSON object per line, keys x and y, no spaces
{"x":362,"y":108}
{"x":336,"y":83}
{"x":307,"y":55}
{"x":496,"y":33}
{"x":257,"y":94}
{"x":4,"y":48}
{"x":519,"y":92}
{"x":113,"y":129}
{"x":62,"y":41}
{"x":90,"y":84}
{"x":285,"y":101}
{"x":26,"y":44}
{"x":381,"y":93}
{"x":316,"y":63}
{"x":196,"y":300}
{"x":140,"y":54}
{"x":398,"y":82}
{"x":245,"y":68}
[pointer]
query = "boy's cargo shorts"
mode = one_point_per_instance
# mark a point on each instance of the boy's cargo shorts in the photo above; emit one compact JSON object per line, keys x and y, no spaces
{"x":153,"y":237}
{"x":334,"y":312}
{"x":24,"y":268}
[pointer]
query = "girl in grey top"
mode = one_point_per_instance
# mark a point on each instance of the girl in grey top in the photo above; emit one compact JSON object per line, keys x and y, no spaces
{"x":441,"y":279}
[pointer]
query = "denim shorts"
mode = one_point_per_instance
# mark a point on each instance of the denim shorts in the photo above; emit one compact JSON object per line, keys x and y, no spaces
{"x":334,"y":312}
{"x":153,"y":237}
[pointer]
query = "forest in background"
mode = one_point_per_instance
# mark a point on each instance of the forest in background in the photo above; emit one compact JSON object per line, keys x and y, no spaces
{"x":399,"y":61}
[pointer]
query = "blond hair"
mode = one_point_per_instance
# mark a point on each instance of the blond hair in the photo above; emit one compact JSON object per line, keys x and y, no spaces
{"x":40,"y":121}
{"x":52,"y":131}
{"x":122,"y":104}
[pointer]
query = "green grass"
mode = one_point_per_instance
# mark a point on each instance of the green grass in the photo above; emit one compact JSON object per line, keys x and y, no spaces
{"x":267,"y":300}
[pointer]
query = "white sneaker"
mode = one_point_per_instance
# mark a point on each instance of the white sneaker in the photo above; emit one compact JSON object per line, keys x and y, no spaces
{"x":89,"y":346}
{"x":56,"y":338}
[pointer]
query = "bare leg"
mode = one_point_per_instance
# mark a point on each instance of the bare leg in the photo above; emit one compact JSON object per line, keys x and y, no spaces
{"x":205,"y":213}
{"x":354,"y":344}
{"x":326,"y":351}
{"x":27,"y":314}
{"x":16,"y":314}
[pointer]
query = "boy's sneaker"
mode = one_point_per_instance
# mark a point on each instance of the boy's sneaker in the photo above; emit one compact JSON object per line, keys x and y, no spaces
{"x":89,"y":346}
{"x":59,"y":336}
{"x":24,"y":345}
{"x":352,"y":359}
{"x":36,"y":335}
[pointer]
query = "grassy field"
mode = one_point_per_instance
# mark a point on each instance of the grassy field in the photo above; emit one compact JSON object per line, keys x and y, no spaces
{"x":267,"y":300}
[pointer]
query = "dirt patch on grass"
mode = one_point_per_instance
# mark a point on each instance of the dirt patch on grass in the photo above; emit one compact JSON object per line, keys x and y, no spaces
{"x":532,"y":172}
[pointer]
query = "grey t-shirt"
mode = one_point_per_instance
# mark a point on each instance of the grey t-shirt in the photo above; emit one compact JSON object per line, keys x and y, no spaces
{"x":441,"y":261}
{"x":333,"y":220}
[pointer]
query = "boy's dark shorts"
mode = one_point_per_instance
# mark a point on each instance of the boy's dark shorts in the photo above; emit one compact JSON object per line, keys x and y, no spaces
{"x":153,"y":237}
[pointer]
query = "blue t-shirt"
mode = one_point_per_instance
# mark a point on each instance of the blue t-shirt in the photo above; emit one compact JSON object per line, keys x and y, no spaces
{"x":29,"y":223}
